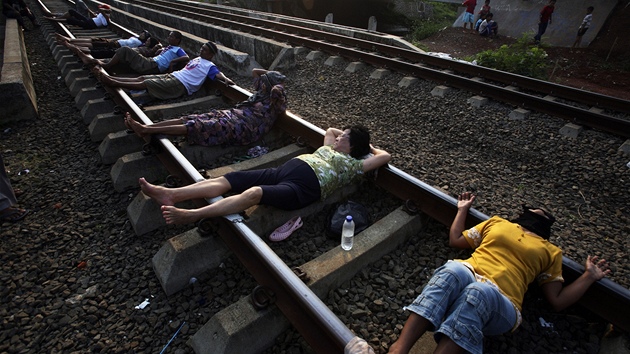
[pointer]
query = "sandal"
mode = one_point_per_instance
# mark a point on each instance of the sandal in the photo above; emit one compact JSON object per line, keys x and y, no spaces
{"x":12,"y":214}
{"x":286,"y":230}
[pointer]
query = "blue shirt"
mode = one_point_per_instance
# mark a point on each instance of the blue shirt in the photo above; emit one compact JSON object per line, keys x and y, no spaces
{"x":168,"y":54}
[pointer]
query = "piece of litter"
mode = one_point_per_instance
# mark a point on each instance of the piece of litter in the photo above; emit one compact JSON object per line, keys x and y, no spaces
{"x":58,"y":77}
{"x":143,"y":304}
{"x":24,"y":171}
{"x":544,"y":323}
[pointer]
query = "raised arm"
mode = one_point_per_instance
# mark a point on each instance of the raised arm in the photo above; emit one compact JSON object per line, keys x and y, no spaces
{"x":257,"y":72}
{"x":331,"y":135}
{"x":562,"y":297}
{"x":379,"y":158}
{"x":455,"y":236}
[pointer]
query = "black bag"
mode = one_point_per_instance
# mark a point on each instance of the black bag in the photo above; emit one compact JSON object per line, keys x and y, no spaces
{"x":337,"y":216}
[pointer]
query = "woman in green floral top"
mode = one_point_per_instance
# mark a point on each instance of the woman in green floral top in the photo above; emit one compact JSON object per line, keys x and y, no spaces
{"x":295,"y":184}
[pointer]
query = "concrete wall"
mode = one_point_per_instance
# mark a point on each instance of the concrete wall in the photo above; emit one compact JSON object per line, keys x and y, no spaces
{"x":516,"y":17}
{"x":17,"y":93}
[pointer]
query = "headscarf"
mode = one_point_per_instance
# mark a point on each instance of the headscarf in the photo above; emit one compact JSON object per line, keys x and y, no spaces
{"x":270,"y":79}
{"x":534,"y":222}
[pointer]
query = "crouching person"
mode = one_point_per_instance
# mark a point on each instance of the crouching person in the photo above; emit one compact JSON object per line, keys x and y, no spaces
{"x":488,"y":28}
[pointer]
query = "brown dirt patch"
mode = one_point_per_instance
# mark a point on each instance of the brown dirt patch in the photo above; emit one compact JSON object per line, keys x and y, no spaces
{"x":596,"y":68}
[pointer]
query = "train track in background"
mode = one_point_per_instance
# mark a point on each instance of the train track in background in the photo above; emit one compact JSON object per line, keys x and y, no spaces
{"x":608,"y":114}
{"x":321,"y":328}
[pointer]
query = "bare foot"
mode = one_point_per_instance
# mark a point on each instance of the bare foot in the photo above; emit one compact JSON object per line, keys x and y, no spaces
{"x":135,"y":126}
{"x":105,"y":78}
{"x":98,"y":73}
{"x":174,"y":215}
{"x":127,"y":116}
{"x":84,"y":57}
{"x":158,"y":193}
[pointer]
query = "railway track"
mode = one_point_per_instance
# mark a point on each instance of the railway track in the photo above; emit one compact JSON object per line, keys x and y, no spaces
{"x":593,"y":110}
{"x":323,"y":331}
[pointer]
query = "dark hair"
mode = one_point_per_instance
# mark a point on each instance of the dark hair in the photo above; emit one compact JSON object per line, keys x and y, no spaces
{"x":359,"y":141}
{"x":147,"y":34}
{"x":590,"y":8}
{"x":213,"y":47}
{"x":177,"y":35}
{"x":489,"y":15}
{"x":534,"y":222}
{"x":152,"y":42}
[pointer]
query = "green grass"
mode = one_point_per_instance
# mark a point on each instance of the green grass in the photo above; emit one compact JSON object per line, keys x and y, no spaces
{"x":442,"y":15}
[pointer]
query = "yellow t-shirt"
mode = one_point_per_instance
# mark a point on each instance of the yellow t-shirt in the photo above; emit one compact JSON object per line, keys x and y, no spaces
{"x":511,"y":258}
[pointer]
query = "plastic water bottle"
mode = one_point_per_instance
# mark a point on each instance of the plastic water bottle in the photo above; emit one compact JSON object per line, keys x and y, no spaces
{"x":347,"y":234}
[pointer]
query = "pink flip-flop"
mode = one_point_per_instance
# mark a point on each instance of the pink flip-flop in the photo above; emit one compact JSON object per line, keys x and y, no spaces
{"x":286,"y":230}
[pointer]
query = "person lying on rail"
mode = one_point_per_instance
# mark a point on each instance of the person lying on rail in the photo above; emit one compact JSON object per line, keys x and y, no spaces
{"x":296,"y":184}
{"x":247,"y":122}
{"x":73,"y":17}
{"x":483,"y":295}
{"x":99,"y":42}
{"x":164,"y":62}
{"x":79,"y":6}
{"x":167,"y":86}
{"x":16,"y":9}
{"x":149,"y":47}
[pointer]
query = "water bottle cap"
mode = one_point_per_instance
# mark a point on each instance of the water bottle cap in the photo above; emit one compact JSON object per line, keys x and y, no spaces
{"x":349,"y":218}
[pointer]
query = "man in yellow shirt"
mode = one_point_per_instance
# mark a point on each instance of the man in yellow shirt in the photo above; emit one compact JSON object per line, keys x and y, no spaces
{"x":483,"y":295}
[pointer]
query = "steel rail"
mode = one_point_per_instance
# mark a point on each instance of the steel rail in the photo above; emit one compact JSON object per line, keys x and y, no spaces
{"x":523,"y":82}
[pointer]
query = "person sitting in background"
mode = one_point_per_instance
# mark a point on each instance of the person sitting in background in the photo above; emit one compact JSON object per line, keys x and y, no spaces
{"x":241,"y":125}
{"x":16,"y":9}
{"x":484,"y":11}
{"x":483,"y":295}
{"x":73,"y":17}
{"x":482,"y":17}
{"x":8,"y":211}
{"x":296,"y":184}
{"x":488,"y":28}
{"x":166,"y":86}
{"x":165,"y":62}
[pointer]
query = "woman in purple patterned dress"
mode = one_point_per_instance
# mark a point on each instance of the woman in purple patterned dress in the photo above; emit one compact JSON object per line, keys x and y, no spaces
{"x":241,"y":125}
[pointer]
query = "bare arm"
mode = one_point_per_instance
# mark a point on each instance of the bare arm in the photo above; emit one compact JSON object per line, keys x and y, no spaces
{"x":184,"y":59}
{"x":225,"y":79}
{"x":562,"y":297}
{"x":455,"y":236}
{"x":331,"y":135}
{"x":379,"y":158}
{"x":257,"y":72}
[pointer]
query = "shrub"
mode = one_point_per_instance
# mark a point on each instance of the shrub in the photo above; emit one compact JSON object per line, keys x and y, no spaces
{"x":520,"y":58}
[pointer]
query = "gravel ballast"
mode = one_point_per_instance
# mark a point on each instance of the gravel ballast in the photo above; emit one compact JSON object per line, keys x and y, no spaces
{"x":73,"y":271}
